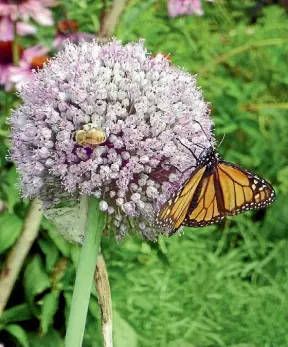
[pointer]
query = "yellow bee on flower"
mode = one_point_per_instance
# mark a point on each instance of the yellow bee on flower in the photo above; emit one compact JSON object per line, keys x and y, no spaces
{"x":90,"y":135}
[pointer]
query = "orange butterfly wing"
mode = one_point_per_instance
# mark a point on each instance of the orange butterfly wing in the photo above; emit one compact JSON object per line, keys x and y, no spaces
{"x":228,"y":190}
{"x":174,"y":211}
{"x":211,"y":193}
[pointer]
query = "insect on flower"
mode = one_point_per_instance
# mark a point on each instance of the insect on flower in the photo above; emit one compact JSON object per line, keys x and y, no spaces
{"x":215,"y":189}
{"x":90,"y":135}
{"x":66,"y":27}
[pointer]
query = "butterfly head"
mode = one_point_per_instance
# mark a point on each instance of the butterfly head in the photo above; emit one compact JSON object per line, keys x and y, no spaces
{"x":209,"y":156}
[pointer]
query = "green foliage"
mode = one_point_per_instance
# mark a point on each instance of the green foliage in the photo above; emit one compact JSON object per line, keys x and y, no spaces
{"x":124,"y":334}
{"x":18,"y":333}
{"x":10,"y":228}
{"x":219,"y":286}
{"x":51,"y":339}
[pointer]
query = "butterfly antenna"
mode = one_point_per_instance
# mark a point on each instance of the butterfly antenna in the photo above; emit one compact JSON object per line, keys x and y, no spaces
{"x":196,"y":121}
{"x":221,"y":141}
{"x":189,"y":149}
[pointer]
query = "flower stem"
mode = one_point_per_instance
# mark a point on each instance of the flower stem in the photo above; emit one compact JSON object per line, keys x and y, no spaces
{"x":256,"y":107}
{"x":15,"y":47}
{"x":240,"y":49}
{"x":104,"y":300}
{"x":84,"y":276}
{"x":110,"y":19}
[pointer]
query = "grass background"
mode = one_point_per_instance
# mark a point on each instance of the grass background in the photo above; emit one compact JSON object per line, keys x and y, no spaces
{"x":223,"y":285}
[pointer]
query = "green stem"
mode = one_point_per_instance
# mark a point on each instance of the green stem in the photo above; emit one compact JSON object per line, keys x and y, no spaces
{"x":240,"y":49}
{"x":15,"y":47}
{"x":84,"y":276}
{"x":255,"y":107}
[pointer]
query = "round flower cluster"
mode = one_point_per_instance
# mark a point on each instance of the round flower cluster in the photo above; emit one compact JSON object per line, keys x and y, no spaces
{"x":148,"y":111}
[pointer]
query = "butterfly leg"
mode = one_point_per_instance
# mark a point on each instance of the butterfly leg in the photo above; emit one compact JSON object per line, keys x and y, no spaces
{"x":176,"y":168}
{"x":189,"y":149}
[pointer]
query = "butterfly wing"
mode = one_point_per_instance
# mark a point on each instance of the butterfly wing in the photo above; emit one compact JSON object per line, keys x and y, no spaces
{"x":209,"y":204}
{"x":174,"y":211}
{"x":228,"y":190}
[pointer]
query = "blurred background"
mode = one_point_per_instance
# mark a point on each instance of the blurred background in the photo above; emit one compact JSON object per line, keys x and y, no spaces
{"x":223,"y":285}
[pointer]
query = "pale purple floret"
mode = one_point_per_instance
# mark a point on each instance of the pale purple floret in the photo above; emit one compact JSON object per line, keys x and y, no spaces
{"x":142,"y":103}
{"x":185,"y":7}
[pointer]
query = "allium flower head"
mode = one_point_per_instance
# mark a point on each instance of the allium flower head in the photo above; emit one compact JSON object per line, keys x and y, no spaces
{"x":142,"y":104}
{"x":25,"y":9}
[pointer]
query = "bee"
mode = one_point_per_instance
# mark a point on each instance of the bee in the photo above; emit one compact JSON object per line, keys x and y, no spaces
{"x":90,"y":135}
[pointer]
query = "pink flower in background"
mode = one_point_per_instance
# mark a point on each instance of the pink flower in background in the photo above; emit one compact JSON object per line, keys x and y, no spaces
{"x":32,"y":58}
{"x":69,"y":30}
{"x":185,"y":7}
{"x":7,"y":29}
{"x":6,"y":62}
{"x":25,"y":9}
{"x":180,"y":7}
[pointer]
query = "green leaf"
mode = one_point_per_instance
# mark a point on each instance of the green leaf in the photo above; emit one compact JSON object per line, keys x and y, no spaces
{"x":11,"y":189}
{"x":181,"y":343}
{"x":51,"y":253}
{"x":68,"y":299}
{"x":49,"y":308}
{"x":57,"y":238}
{"x":94,"y":307}
{"x":16,"y":314}
{"x":124,"y":335}
{"x":36,"y":281}
{"x":18,"y":333}
{"x":75,"y":254}
{"x":10,"y":229}
{"x":51,"y":339}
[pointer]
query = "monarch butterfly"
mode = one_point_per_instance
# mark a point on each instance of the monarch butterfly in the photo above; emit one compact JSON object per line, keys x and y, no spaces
{"x":215,"y":189}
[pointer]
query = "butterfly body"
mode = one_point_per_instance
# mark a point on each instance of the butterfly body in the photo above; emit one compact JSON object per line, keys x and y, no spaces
{"x":215,"y":189}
